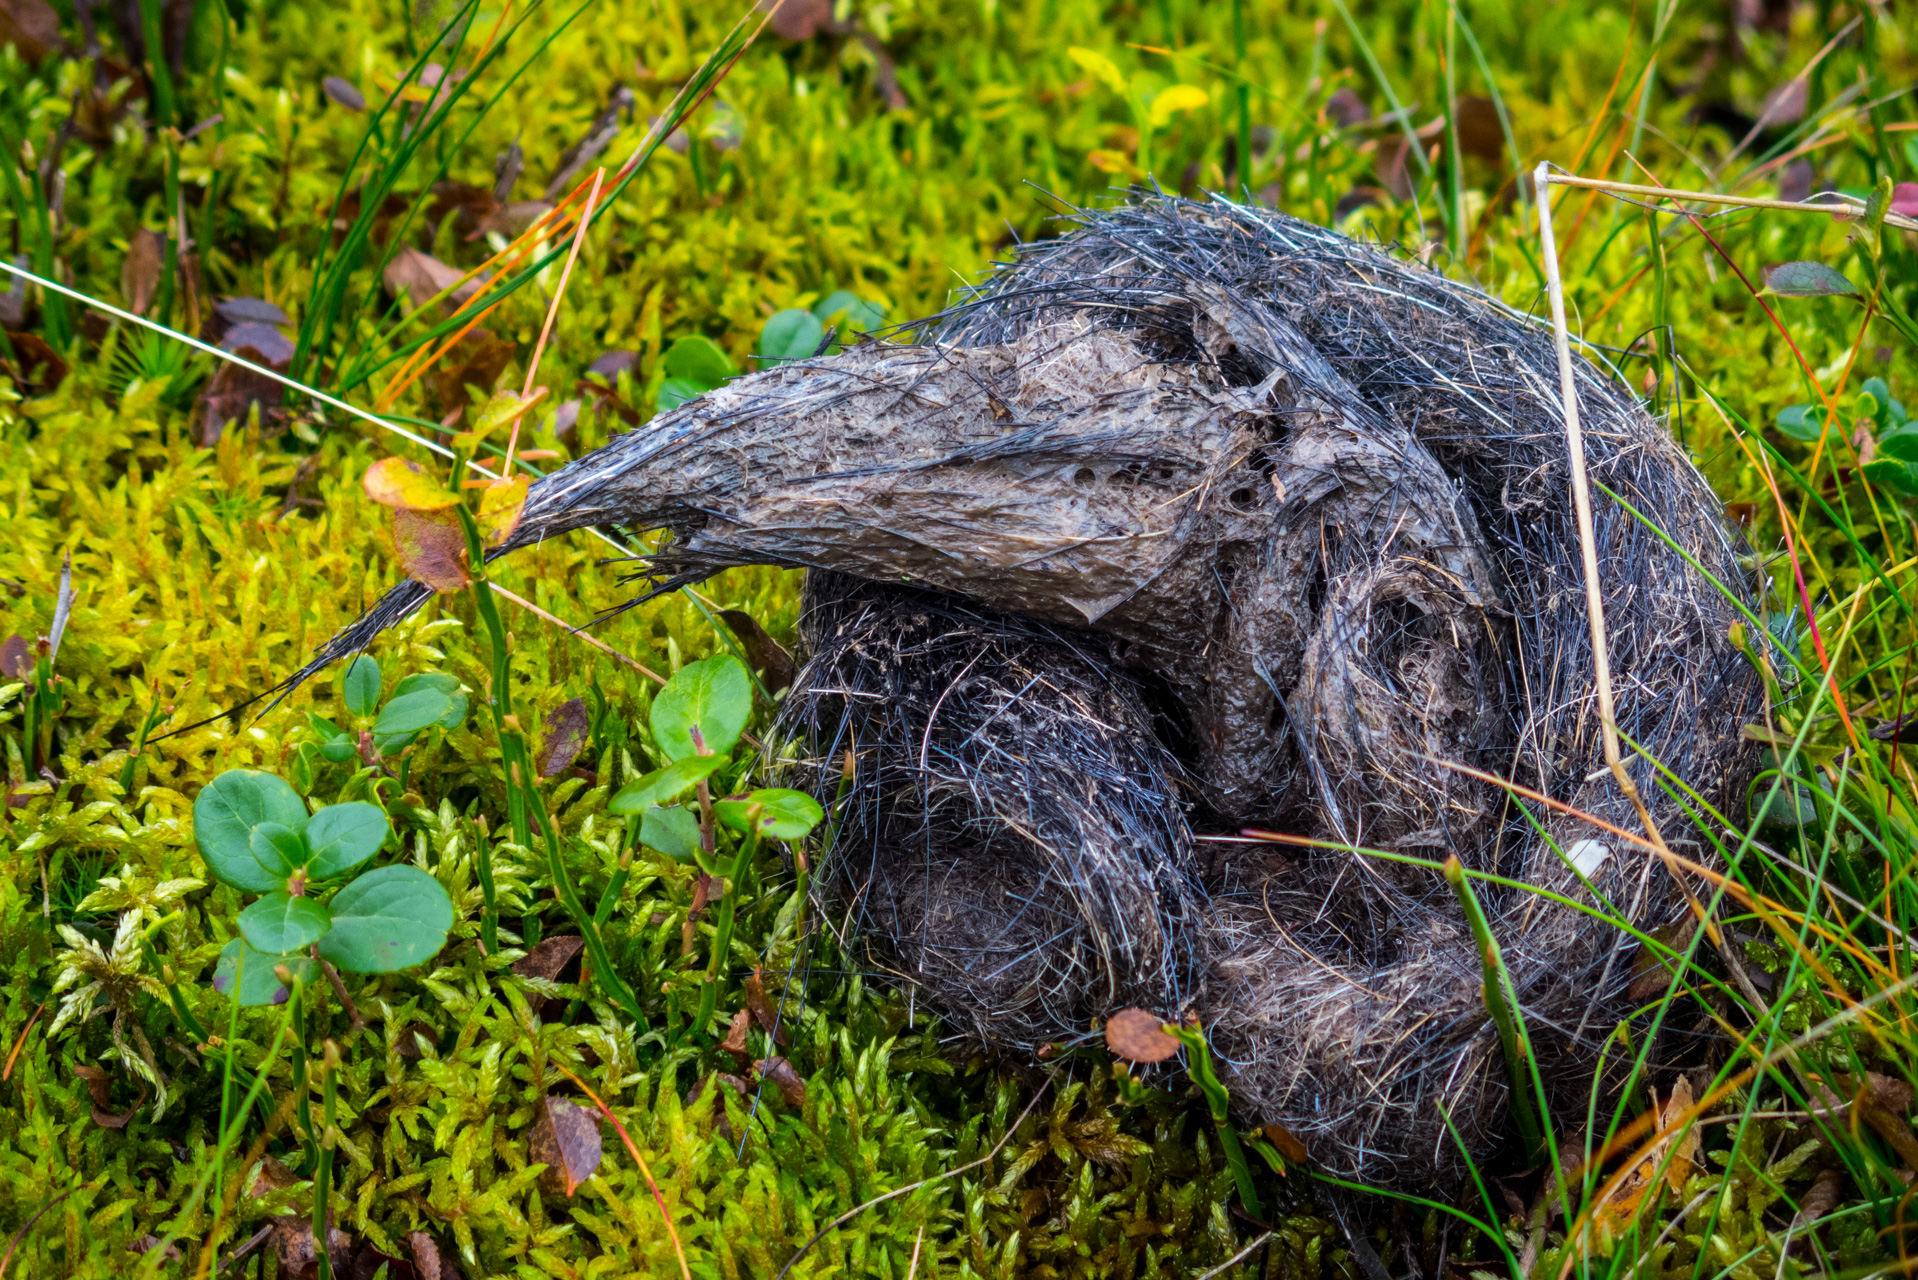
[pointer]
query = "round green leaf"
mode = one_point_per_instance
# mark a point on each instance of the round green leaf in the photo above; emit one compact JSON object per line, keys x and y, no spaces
{"x":784,"y":814}
{"x":362,"y":687}
{"x":674,"y":832}
{"x":677,"y":391}
{"x":790,"y":335}
{"x":417,"y":710}
{"x":339,"y":750}
{"x":1901,"y":477}
{"x":1901,"y":444}
{"x":850,"y":309}
{"x":342,"y":836}
{"x":446,"y":684}
{"x":389,"y":918}
{"x":224,"y":816}
{"x":715,"y":695}
{"x":1806,"y":280}
{"x":1801,"y":422}
{"x":279,"y":849}
{"x":663,"y":786}
{"x":256,"y":980}
{"x":695,"y":359}
{"x":280,"y":922}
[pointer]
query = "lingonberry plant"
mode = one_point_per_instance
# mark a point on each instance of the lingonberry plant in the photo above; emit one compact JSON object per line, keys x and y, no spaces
{"x":256,"y":835}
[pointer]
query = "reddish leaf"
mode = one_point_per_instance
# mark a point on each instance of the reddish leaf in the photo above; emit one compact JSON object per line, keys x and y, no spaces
{"x":735,"y":1041}
{"x":477,"y":361}
{"x":780,"y":1074}
{"x":396,"y":482}
{"x":368,"y":1261}
{"x":250,"y":311}
{"x":565,"y":1139}
{"x":1345,"y":108}
{"x":98,"y":1083}
{"x":1480,"y":132}
{"x":549,"y":957}
{"x":416,"y":1038}
{"x":432,"y":548}
{"x":274,"y":348}
{"x":421,"y":276}
{"x":762,"y":1010}
{"x":40,"y":366}
{"x":563,"y":737}
{"x":763,"y":653}
{"x":1138,"y":1036}
{"x":231,"y":394}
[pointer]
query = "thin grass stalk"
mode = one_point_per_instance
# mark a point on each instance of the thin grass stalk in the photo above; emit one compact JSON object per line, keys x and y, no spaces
{"x":158,"y":73}
{"x":729,"y":906}
{"x":1454,"y":162}
{"x":524,"y":803}
{"x":1198,"y":1066}
{"x":552,"y":312}
{"x":226,"y":1072}
{"x":150,"y":1263}
{"x":1501,"y":1002}
{"x":1243,"y":95}
{"x":323,"y":1178}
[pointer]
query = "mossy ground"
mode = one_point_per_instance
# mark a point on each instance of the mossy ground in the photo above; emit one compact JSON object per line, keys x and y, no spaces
{"x":202,"y":575}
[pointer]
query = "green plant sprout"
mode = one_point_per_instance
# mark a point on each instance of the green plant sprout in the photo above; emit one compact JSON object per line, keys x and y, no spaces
{"x":256,"y":835}
{"x":425,"y":700}
{"x":797,"y":333}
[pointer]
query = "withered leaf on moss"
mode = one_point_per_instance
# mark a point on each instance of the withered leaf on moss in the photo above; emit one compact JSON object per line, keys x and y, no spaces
{"x":432,"y":548}
{"x":565,"y":1139}
{"x":779,"y":1073}
{"x":562,"y":738}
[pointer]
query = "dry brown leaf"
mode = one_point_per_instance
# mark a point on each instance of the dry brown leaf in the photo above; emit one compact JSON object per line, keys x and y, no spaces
{"x":427,"y":1259}
{"x":549,"y":957}
{"x":1138,"y":1036}
{"x":1480,"y":133}
{"x":1651,"y":970}
{"x":780,"y":1075}
{"x":99,"y":1083}
{"x":565,"y":1139}
{"x":1641,"y":1184}
{"x":31,"y":26}
{"x":293,"y":1243}
{"x":735,"y":1041}
{"x":231,"y":394}
{"x":39,"y":366}
{"x":432,"y":548}
{"x":149,"y":1242}
{"x":477,"y":361}
{"x":1819,"y":1199}
{"x":1345,"y":108}
{"x":797,"y":19}
{"x":140,"y":272}
{"x":561,"y":740}
{"x":416,"y":1038}
{"x":420,"y":276}
{"x":763,"y":1011}
{"x":1286,"y":1142}
{"x":368,"y":1261}
{"x":16,"y":658}
{"x":763,"y":653}
{"x":271,"y":1176}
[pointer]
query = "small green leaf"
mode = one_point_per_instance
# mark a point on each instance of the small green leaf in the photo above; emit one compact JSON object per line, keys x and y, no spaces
{"x":280,"y":850}
{"x":411,"y":712}
{"x":715,"y":695}
{"x":1806,"y":280}
{"x":663,"y":786}
{"x":850,"y":309}
{"x":342,"y":836}
{"x":388,"y":743}
{"x":257,"y":981}
{"x":1801,"y":422}
{"x":674,"y":832}
{"x":362,"y":687}
{"x":784,"y":814}
{"x":224,"y":816}
{"x":1900,"y":443}
{"x":389,"y":918}
{"x":677,"y":391}
{"x":790,"y":335}
{"x":280,"y":922}
{"x":339,"y":750}
{"x":695,"y":359}
{"x":1890,"y":473}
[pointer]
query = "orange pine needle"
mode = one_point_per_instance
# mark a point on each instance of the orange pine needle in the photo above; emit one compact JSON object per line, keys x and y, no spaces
{"x":21,"y":1043}
{"x":552,"y":311}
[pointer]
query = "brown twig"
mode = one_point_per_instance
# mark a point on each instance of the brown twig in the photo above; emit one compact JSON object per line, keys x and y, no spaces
{"x":339,"y":989}
{"x":21,"y":1043}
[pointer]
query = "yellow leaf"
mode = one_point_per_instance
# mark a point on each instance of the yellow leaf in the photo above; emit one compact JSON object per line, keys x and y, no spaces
{"x":500,"y":505}
{"x":395,"y":482}
{"x":1180,"y":97}
{"x":494,"y":414}
{"x":1099,"y":65}
{"x":1114,"y":162}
